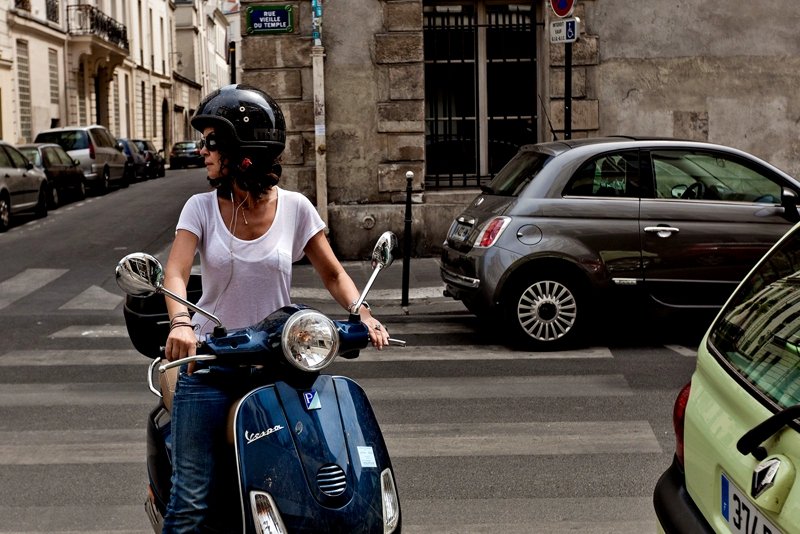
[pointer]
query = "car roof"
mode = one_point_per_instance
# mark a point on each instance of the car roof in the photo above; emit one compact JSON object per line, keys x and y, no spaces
{"x":70,"y":128}
{"x":39,"y":145}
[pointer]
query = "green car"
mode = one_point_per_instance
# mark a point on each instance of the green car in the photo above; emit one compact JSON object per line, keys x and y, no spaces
{"x":736,"y":424}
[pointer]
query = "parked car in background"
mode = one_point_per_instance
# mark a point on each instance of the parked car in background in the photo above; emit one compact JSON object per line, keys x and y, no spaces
{"x":64,"y":175}
{"x":22,"y":186}
{"x":100,"y":156}
{"x":185,"y":153}
{"x":154,"y":158}
{"x":136,"y":166}
{"x":737,"y":447}
{"x":565,"y":228}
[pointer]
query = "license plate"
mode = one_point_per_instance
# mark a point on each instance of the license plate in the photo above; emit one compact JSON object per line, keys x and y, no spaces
{"x":741,"y":514}
{"x":461,"y":233}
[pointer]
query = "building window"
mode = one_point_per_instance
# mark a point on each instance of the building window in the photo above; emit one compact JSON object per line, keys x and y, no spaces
{"x":23,"y":4}
{"x":117,"y":125}
{"x":55,"y":85}
{"x":24,"y":89}
{"x":52,"y":10}
{"x":480,"y":89}
{"x":144,"y":110}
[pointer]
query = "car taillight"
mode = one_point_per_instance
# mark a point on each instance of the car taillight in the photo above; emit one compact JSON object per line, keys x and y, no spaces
{"x":491,"y":231}
{"x":679,"y":418}
{"x":91,"y":150}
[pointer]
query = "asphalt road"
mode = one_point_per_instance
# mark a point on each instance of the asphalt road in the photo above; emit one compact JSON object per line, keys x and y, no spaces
{"x":483,"y":439}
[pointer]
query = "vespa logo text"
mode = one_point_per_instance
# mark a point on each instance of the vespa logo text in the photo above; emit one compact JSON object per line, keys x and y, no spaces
{"x":250,"y":437}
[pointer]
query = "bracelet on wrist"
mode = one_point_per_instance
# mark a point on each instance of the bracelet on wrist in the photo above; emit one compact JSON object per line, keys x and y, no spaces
{"x":352,"y":308}
{"x":176,"y":325}
{"x":178,"y":315}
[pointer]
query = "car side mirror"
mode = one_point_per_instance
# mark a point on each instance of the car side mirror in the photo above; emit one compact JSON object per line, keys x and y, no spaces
{"x":789,"y":203}
{"x":120,"y":147}
{"x":76,"y":163}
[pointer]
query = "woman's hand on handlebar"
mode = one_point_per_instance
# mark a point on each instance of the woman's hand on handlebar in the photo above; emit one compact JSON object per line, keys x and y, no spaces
{"x":378,"y":334}
{"x":181,"y":343}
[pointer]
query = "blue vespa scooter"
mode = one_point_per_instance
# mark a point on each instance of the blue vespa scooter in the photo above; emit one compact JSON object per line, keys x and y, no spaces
{"x":309,"y":451}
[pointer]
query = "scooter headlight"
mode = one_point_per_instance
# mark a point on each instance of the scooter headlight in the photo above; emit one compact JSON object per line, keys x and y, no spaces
{"x":266,"y":516}
{"x":391,"y":504}
{"x":310,"y":340}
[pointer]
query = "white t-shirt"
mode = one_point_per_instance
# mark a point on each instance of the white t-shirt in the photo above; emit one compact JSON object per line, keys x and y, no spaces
{"x":244,"y":281}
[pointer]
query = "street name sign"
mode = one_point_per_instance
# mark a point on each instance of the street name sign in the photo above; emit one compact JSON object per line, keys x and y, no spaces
{"x":564,"y":30}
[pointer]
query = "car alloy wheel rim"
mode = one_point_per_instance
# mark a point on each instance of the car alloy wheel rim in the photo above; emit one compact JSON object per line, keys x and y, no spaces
{"x":5,"y":213}
{"x":547,"y":310}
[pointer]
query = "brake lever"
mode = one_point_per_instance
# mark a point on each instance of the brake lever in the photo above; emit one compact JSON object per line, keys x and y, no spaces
{"x":188,"y":359}
{"x":397,"y":342}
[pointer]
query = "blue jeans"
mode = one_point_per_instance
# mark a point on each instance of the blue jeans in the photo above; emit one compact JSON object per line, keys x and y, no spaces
{"x":205,"y":490}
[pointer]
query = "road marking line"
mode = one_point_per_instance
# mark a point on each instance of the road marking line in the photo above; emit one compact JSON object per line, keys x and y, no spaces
{"x":92,"y":331}
{"x":94,"y":298}
{"x":514,"y":387}
{"x":53,"y":358}
{"x":524,"y":439}
{"x":25,"y":283}
{"x":683,"y":351}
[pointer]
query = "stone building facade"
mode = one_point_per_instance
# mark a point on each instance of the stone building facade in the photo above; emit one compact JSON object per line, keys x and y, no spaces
{"x":138,"y":68}
{"x":723,"y":72}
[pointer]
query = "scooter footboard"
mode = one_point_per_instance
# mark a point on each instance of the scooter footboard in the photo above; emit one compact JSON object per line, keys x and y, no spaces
{"x":319,"y":454}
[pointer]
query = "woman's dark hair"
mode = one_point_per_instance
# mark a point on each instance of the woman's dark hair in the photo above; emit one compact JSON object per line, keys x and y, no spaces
{"x":251,"y":174}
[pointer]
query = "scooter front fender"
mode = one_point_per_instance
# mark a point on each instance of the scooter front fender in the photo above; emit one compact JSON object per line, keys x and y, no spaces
{"x":318,"y":452}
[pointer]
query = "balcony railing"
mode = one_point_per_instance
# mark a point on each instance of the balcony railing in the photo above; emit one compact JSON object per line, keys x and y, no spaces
{"x":85,"y":19}
{"x":52,"y":10}
{"x":23,"y":4}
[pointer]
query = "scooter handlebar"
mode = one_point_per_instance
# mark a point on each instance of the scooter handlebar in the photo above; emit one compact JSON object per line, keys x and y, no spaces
{"x":188,"y":359}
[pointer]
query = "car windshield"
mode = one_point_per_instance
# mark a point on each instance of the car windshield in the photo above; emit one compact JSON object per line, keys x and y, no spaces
{"x":69,"y":140}
{"x":33,"y":155}
{"x":186,"y":146}
{"x":518,"y":173}
{"x":758,"y":332}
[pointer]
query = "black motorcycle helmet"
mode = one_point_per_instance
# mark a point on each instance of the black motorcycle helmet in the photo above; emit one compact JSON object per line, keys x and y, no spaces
{"x":244,"y":117}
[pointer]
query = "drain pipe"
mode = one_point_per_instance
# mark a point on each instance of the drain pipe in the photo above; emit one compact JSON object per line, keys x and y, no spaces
{"x":318,"y":76}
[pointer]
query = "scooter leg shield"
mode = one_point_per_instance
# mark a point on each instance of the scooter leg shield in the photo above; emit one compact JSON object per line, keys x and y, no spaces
{"x":317,"y":451}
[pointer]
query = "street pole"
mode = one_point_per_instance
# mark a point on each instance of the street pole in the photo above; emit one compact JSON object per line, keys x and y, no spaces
{"x":407,"y":241}
{"x":568,"y":91}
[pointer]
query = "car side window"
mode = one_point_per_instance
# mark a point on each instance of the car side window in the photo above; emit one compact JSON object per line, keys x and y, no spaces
{"x":5,"y":161}
{"x":50,"y":157}
{"x":701,"y":175}
{"x":610,"y":175}
{"x":63,"y":157}
{"x":17,"y":159}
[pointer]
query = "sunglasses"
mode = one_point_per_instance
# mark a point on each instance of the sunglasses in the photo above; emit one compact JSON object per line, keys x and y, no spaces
{"x":209,"y":142}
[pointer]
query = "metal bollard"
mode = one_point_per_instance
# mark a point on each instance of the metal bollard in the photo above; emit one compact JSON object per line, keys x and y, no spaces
{"x":407,"y":241}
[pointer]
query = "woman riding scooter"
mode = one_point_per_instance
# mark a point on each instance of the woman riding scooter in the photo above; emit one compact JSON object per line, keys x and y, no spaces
{"x":248,"y":232}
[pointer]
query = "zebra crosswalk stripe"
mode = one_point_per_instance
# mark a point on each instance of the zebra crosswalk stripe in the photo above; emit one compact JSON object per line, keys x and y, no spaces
{"x":25,"y":283}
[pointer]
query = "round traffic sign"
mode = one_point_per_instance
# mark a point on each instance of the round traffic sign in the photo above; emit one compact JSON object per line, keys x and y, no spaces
{"x":562,"y":8}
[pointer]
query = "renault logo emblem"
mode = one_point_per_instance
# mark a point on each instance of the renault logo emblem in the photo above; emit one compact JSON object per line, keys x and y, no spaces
{"x":764,"y":476}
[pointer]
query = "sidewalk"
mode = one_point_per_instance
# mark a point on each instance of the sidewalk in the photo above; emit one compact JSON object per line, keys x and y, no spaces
{"x":424,"y":293}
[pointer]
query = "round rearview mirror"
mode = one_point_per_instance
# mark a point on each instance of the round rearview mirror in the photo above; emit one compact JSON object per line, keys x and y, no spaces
{"x":140,"y":275}
{"x":382,"y":254}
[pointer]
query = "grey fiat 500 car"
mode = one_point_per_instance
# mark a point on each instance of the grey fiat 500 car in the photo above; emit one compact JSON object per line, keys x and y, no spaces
{"x":567,"y":226}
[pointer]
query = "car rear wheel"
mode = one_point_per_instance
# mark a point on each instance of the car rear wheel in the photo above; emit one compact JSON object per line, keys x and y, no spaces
{"x":545,"y":313}
{"x":105,"y":182}
{"x":41,"y":202}
{"x":55,"y":198}
{"x":5,"y":213}
{"x":80,"y":190}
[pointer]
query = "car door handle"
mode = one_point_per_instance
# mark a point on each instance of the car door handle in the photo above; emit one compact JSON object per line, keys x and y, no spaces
{"x":662,"y":231}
